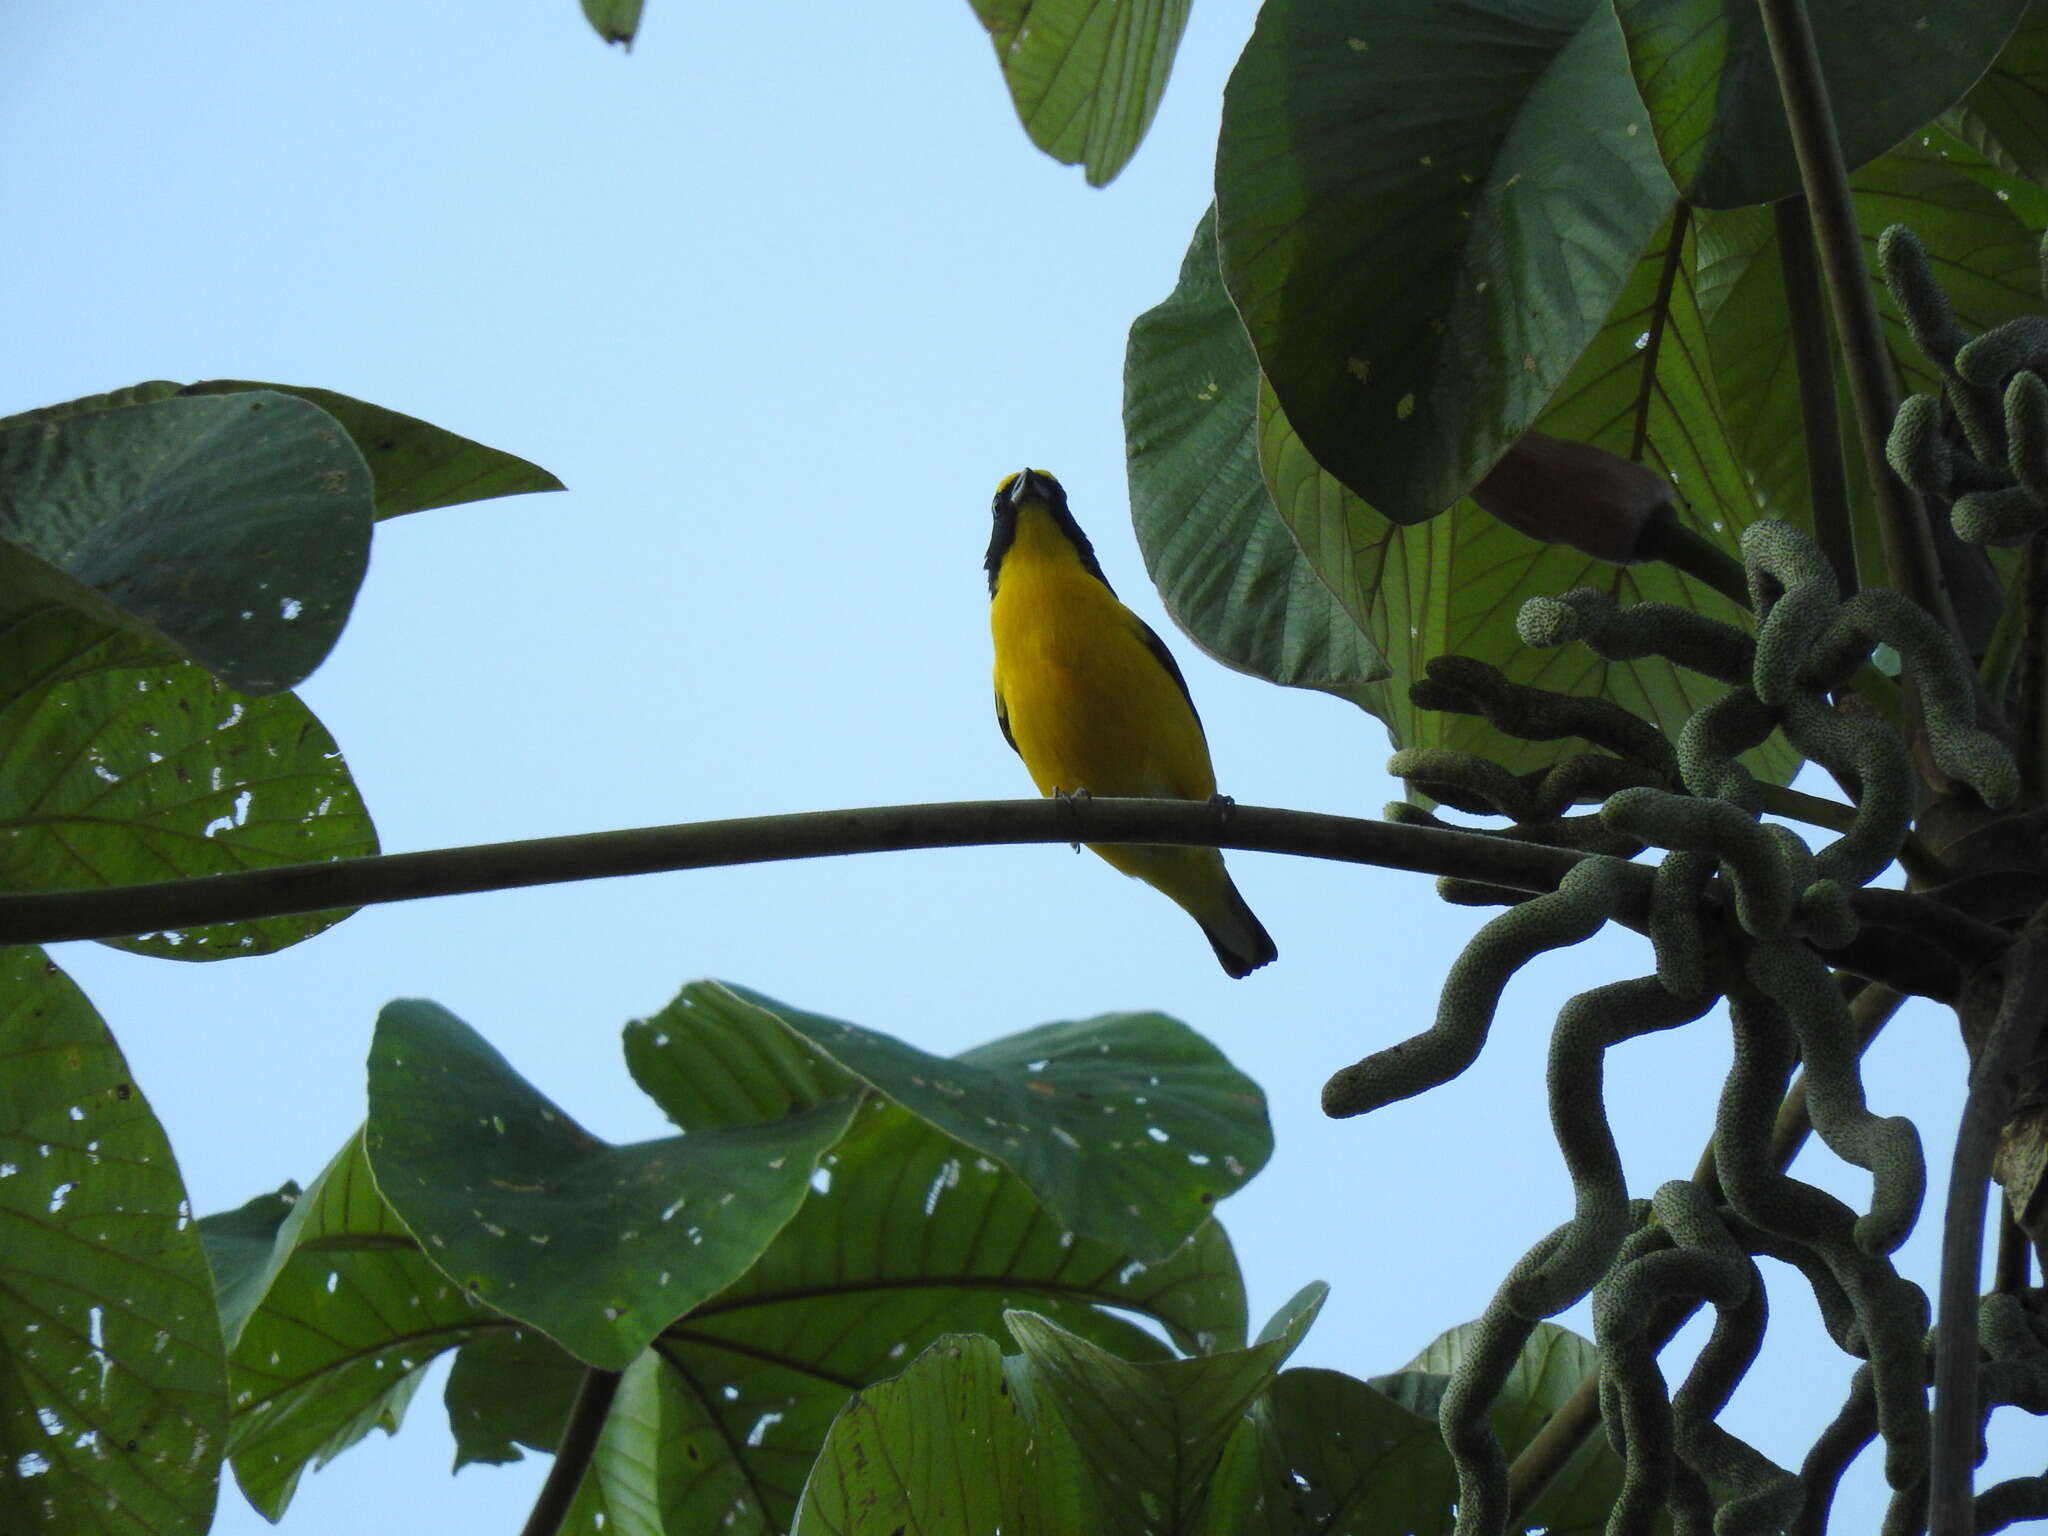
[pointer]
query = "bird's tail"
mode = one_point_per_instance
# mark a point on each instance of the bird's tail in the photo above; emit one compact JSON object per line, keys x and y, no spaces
{"x":1238,"y":937}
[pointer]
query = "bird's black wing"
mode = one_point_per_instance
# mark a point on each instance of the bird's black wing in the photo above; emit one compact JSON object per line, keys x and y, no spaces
{"x":1158,"y":648}
{"x":1003,"y":721}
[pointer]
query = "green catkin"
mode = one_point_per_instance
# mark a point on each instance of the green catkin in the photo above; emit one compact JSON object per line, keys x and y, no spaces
{"x":1463,"y":1414}
{"x":1990,"y":360}
{"x":1714,"y":737}
{"x":1461,"y":685}
{"x":1839,"y":1444}
{"x":1463,"y":781}
{"x":2026,"y":434}
{"x":1748,"y":851}
{"x":2008,"y":515}
{"x":1909,"y":275}
{"x":1581,"y":905}
{"x":1634,"y":1402}
{"x":1693,"y":641}
{"x":1918,"y":449}
{"x":1588,"y":1026}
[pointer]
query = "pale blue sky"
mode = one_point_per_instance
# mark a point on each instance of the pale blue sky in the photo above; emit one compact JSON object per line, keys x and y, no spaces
{"x":780,"y":296}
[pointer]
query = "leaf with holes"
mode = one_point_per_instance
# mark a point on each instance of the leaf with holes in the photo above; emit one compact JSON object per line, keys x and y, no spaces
{"x":417,"y":466}
{"x":1150,"y":1434}
{"x":598,"y":1246}
{"x":1226,"y":565}
{"x":1425,"y":214}
{"x":1128,"y":1127}
{"x":1644,"y":390}
{"x":1706,"y":74}
{"x":1324,"y":1454}
{"x":946,"y":1446}
{"x":236,"y":529}
{"x":121,"y":765}
{"x":1086,"y":75}
{"x":341,"y":1320}
{"x":113,"y":1374}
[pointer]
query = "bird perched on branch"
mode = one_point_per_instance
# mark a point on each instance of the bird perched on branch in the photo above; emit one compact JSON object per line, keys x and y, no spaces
{"x":1092,"y":701}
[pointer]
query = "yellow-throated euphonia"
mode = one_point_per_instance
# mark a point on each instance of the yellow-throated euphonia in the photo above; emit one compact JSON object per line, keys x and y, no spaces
{"x":1092,"y":701}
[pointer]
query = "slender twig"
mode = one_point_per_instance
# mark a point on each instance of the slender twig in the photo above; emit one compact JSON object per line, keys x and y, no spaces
{"x":572,"y":1457}
{"x":1813,"y":356}
{"x":1902,"y":956}
{"x":1909,"y":553}
{"x":1553,"y":1446}
{"x":2021,"y":1010}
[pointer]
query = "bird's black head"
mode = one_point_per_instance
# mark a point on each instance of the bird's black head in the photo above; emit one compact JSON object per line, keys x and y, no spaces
{"x":1034,"y":488}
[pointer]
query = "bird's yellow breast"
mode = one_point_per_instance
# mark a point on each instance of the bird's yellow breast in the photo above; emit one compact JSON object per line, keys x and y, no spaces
{"x":1090,"y":706}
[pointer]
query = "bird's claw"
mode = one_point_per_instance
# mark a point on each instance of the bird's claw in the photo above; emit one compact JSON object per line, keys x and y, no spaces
{"x":1073,"y":797}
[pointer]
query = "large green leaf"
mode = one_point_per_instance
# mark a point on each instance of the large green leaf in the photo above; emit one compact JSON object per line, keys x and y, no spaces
{"x":1150,"y":1433}
{"x":121,"y":765}
{"x":915,"y":1237}
{"x":347,"y":1314}
{"x":1086,"y":75}
{"x":1983,"y":254}
{"x":236,"y":528}
{"x":1425,"y":214}
{"x":113,"y":1373}
{"x":600,"y":1247}
{"x":1642,"y":389}
{"x":1226,"y":567}
{"x":510,"y":1388}
{"x":417,"y":465}
{"x":1706,"y":74}
{"x":1128,"y":1127}
{"x":945,"y":1447}
{"x":2006,"y":113}
{"x":1324,"y":1454}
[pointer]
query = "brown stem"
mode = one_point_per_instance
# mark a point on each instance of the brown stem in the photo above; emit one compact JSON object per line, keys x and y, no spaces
{"x":572,"y":1457}
{"x":1909,"y":553}
{"x":1826,"y":482}
{"x":2021,"y":1010}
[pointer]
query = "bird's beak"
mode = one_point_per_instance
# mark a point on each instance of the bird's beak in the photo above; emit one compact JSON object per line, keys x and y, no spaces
{"x":1028,"y":486}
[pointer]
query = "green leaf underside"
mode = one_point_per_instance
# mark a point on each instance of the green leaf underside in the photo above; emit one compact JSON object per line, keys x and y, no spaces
{"x":113,"y":1374}
{"x":1324,"y":1454}
{"x":237,"y":529}
{"x":417,"y":466}
{"x":350,"y":1314}
{"x":1128,"y":1127}
{"x":1224,"y":562}
{"x":1642,"y":389}
{"x":1148,"y":1433}
{"x":598,"y":1246}
{"x":945,"y":1446}
{"x":904,"y":1235}
{"x":1551,"y":1366}
{"x":1983,"y":255}
{"x":121,"y":765}
{"x":1705,"y":71}
{"x":616,"y":21}
{"x":509,"y":1389}
{"x":1086,"y":76}
{"x":2006,"y":113}
{"x":1424,"y":217}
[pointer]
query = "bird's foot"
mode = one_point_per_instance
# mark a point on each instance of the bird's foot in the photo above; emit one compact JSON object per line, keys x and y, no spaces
{"x":1073,"y":797}
{"x":1223,"y":805}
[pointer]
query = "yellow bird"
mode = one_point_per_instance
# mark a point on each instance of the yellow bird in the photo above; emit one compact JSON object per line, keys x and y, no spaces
{"x":1092,"y":701}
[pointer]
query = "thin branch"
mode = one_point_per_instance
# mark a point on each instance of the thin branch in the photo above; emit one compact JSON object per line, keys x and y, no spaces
{"x":1950,"y":1505}
{"x":1826,"y":483}
{"x":1919,"y":952}
{"x":572,"y":1457}
{"x":1909,"y":552}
